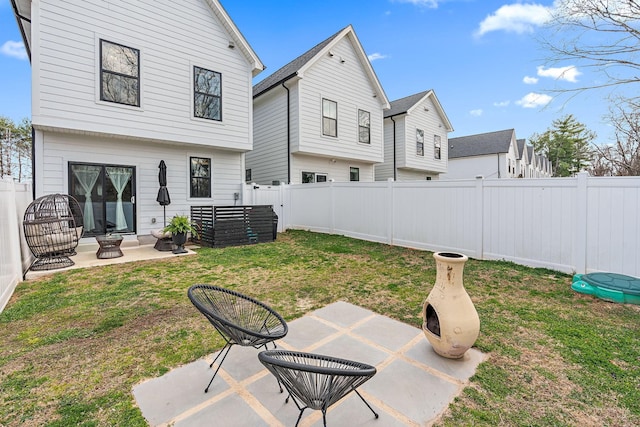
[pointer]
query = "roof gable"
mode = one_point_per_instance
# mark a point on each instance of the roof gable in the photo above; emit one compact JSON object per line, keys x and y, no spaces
{"x":302,"y":63}
{"x":521,"y":150}
{"x":481,"y":144}
{"x":22,"y":12}
{"x":409,"y":103}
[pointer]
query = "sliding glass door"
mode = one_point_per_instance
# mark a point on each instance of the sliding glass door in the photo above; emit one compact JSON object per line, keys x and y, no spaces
{"x":106,"y":194}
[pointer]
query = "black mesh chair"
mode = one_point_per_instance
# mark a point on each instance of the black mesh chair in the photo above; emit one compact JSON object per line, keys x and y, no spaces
{"x":315,"y":381}
{"x":238,"y":318}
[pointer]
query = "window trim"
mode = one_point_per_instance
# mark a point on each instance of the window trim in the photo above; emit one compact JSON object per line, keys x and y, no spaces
{"x":368,"y":127}
{"x":191,"y":177}
{"x":329,"y":118}
{"x":194,"y":93}
{"x":102,"y":70}
{"x":315,"y":177}
{"x":437,"y":147}
{"x":351,"y":170}
{"x":419,"y":144}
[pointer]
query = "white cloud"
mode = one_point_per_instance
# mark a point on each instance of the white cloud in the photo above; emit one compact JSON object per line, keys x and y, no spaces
{"x":530,"y":80}
{"x":568,"y":74}
{"x":515,"y":18}
{"x":376,"y":56}
{"x":476,"y":113}
{"x":534,"y":100}
{"x":433,"y":4}
{"x":501,"y":104}
{"x":14,"y":49}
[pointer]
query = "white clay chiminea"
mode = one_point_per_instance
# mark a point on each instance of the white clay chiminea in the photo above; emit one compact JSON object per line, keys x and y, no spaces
{"x":449,"y":319}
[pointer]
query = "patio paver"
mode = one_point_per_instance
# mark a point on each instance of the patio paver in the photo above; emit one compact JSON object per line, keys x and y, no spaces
{"x":413,"y":385}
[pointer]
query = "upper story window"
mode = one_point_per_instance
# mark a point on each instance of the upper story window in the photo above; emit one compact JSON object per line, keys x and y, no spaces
{"x":364,"y":126}
{"x":200,"y":173}
{"x":419,"y":142}
{"x":119,"y":74}
{"x":207,"y":94}
{"x":329,"y":117}
{"x":354,"y":174}
{"x":436,"y":146}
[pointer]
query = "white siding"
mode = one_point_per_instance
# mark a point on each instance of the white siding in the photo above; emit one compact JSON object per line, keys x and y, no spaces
{"x":60,"y":149}
{"x":268,"y":160}
{"x":172,"y":37}
{"x":347,"y":84}
{"x":414,"y":175}
{"x":336,"y":169}
{"x":470,"y":167}
{"x":431,"y":123}
{"x":384,"y":171}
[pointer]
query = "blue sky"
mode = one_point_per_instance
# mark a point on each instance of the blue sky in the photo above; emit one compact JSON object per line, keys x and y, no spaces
{"x":480,"y":56}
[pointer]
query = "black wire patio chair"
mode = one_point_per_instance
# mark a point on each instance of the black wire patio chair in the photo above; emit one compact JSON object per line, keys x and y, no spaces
{"x":316,"y":381}
{"x":239,"y":319}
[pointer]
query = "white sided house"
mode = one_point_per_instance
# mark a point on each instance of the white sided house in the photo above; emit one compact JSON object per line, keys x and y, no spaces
{"x":523,"y":162}
{"x":415,"y":139}
{"x":491,"y":155}
{"x":119,"y":86}
{"x":319,"y":118}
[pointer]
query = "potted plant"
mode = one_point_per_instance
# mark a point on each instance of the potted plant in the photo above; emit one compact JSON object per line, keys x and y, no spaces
{"x":179,"y":226}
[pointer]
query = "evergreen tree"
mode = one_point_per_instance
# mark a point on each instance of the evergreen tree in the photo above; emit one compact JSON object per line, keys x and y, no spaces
{"x":566,"y":144}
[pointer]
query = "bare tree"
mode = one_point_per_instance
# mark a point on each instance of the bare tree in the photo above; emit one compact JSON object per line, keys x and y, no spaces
{"x":603,"y":35}
{"x":621,"y":158}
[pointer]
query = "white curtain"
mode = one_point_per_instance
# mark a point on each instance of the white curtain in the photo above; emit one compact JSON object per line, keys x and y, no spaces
{"x":87,"y":177}
{"x":119,"y":178}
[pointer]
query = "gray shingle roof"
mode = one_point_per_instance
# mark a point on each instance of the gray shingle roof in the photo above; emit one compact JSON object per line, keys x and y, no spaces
{"x":521,"y":143}
{"x":481,"y":144}
{"x":530,"y":152}
{"x":402,"y":105}
{"x":292,"y":67}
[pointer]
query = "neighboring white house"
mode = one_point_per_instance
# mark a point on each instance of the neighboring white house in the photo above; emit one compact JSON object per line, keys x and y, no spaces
{"x":492,"y":155}
{"x":320,"y":117}
{"x":415,"y":139}
{"x":119,"y":86}
{"x":522,"y":164}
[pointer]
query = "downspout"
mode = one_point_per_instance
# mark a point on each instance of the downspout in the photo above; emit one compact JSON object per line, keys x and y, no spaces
{"x":288,"y":133}
{"x":498,"y":154}
{"x":395,"y":169}
{"x":33,"y":162}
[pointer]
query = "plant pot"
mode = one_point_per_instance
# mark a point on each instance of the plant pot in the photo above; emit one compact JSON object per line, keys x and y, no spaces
{"x":450,"y":320}
{"x":179,"y":239}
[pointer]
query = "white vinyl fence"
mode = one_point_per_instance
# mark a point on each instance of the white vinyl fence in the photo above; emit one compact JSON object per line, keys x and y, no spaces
{"x":573,"y":225}
{"x":15,"y":256}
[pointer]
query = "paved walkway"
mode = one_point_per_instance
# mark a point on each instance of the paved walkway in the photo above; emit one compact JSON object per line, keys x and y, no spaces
{"x":412,"y":387}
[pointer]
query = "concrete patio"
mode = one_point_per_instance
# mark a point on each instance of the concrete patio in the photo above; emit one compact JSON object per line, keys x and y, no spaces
{"x":413,"y":385}
{"x":131,"y":250}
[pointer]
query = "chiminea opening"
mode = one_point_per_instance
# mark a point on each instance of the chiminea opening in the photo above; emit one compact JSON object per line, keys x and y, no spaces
{"x":450,"y":255}
{"x":433,"y":323}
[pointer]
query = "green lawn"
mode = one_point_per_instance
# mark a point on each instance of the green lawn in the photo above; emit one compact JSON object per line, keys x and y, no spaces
{"x":73,"y":344}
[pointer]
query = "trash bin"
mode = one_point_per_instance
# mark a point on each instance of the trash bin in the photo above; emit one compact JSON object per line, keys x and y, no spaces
{"x":275,"y":226}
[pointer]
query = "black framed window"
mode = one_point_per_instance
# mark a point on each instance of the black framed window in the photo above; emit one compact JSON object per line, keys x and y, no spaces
{"x":419,"y":142}
{"x":329,"y":117}
{"x":354,"y":174}
{"x":364,"y":126}
{"x":200,"y":170}
{"x":311,"y":177}
{"x":436,"y":146}
{"x":119,"y":74}
{"x":207,"y":94}
{"x":247,"y":175}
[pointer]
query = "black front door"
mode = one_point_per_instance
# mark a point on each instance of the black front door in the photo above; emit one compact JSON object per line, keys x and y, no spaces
{"x":106,"y":194}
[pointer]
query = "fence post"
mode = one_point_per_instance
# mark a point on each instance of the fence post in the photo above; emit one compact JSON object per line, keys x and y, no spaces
{"x":479,"y":217}
{"x":390,"y":209}
{"x":332,"y":207}
{"x":580,"y":224}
